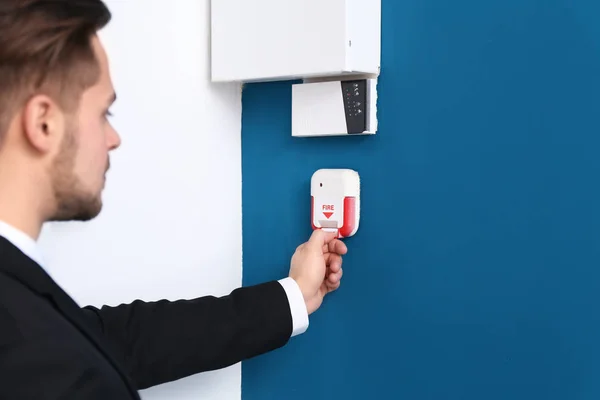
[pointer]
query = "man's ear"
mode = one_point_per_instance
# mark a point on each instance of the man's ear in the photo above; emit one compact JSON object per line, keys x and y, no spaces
{"x":43,"y":123}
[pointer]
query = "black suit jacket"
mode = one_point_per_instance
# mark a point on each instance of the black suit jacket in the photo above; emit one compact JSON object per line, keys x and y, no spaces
{"x":50,"y":348}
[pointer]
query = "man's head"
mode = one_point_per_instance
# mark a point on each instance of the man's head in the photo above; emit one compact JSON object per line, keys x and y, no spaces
{"x":54,"y":100}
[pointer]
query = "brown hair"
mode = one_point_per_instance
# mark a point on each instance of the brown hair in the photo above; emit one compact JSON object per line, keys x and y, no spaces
{"x":45,"y":47}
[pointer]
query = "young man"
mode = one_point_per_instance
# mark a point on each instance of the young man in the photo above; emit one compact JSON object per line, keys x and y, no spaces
{"x":55,"y":139}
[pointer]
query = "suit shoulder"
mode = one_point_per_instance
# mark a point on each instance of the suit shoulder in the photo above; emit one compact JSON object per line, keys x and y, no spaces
{"x":24,"y":313}
{"x":12,"y":316}
{"x":43,"y":355}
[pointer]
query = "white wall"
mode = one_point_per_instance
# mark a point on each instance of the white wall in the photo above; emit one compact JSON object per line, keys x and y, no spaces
{"x":171,"y":225}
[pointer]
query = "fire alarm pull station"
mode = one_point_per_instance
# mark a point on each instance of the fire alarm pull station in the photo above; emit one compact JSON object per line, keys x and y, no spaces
{"x":335,"y":201}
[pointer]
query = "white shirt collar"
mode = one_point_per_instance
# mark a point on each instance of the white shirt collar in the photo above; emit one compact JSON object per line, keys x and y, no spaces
{"x":22,"y":241}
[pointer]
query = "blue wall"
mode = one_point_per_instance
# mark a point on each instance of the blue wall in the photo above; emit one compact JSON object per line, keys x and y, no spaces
{"x":476,"y":271}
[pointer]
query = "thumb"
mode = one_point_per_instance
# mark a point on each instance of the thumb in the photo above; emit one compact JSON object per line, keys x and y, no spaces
{"x":320,"y":237}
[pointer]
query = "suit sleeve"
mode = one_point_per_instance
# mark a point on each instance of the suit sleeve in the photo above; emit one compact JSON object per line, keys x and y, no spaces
{"x":162,"y":341}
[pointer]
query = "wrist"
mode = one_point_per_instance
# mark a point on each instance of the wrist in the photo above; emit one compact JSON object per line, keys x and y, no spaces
{"x":302,"y":287}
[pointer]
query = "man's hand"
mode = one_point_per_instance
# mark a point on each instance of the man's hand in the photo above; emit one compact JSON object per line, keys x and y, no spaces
{"x":317,"y":267}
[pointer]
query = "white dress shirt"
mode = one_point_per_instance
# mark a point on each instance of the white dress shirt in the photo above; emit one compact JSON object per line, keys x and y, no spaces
{"x":29,"y":247}
{"x":297,"y":306}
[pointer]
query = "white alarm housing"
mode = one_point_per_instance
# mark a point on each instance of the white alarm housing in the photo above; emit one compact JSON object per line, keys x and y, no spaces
{"x":335,"y":108}
{"x":335,"y":201}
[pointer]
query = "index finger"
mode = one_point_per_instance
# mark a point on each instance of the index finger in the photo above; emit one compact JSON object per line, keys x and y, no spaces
{"x":336,"y":246}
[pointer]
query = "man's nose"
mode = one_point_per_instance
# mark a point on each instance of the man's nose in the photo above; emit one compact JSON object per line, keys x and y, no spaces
{"x":114,"y":140}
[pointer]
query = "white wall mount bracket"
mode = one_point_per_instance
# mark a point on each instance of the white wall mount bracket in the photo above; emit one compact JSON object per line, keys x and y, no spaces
{"x":269,"y":40}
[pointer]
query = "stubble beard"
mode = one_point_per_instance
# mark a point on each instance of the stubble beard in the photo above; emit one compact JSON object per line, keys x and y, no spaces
{"x":73,"y":201}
